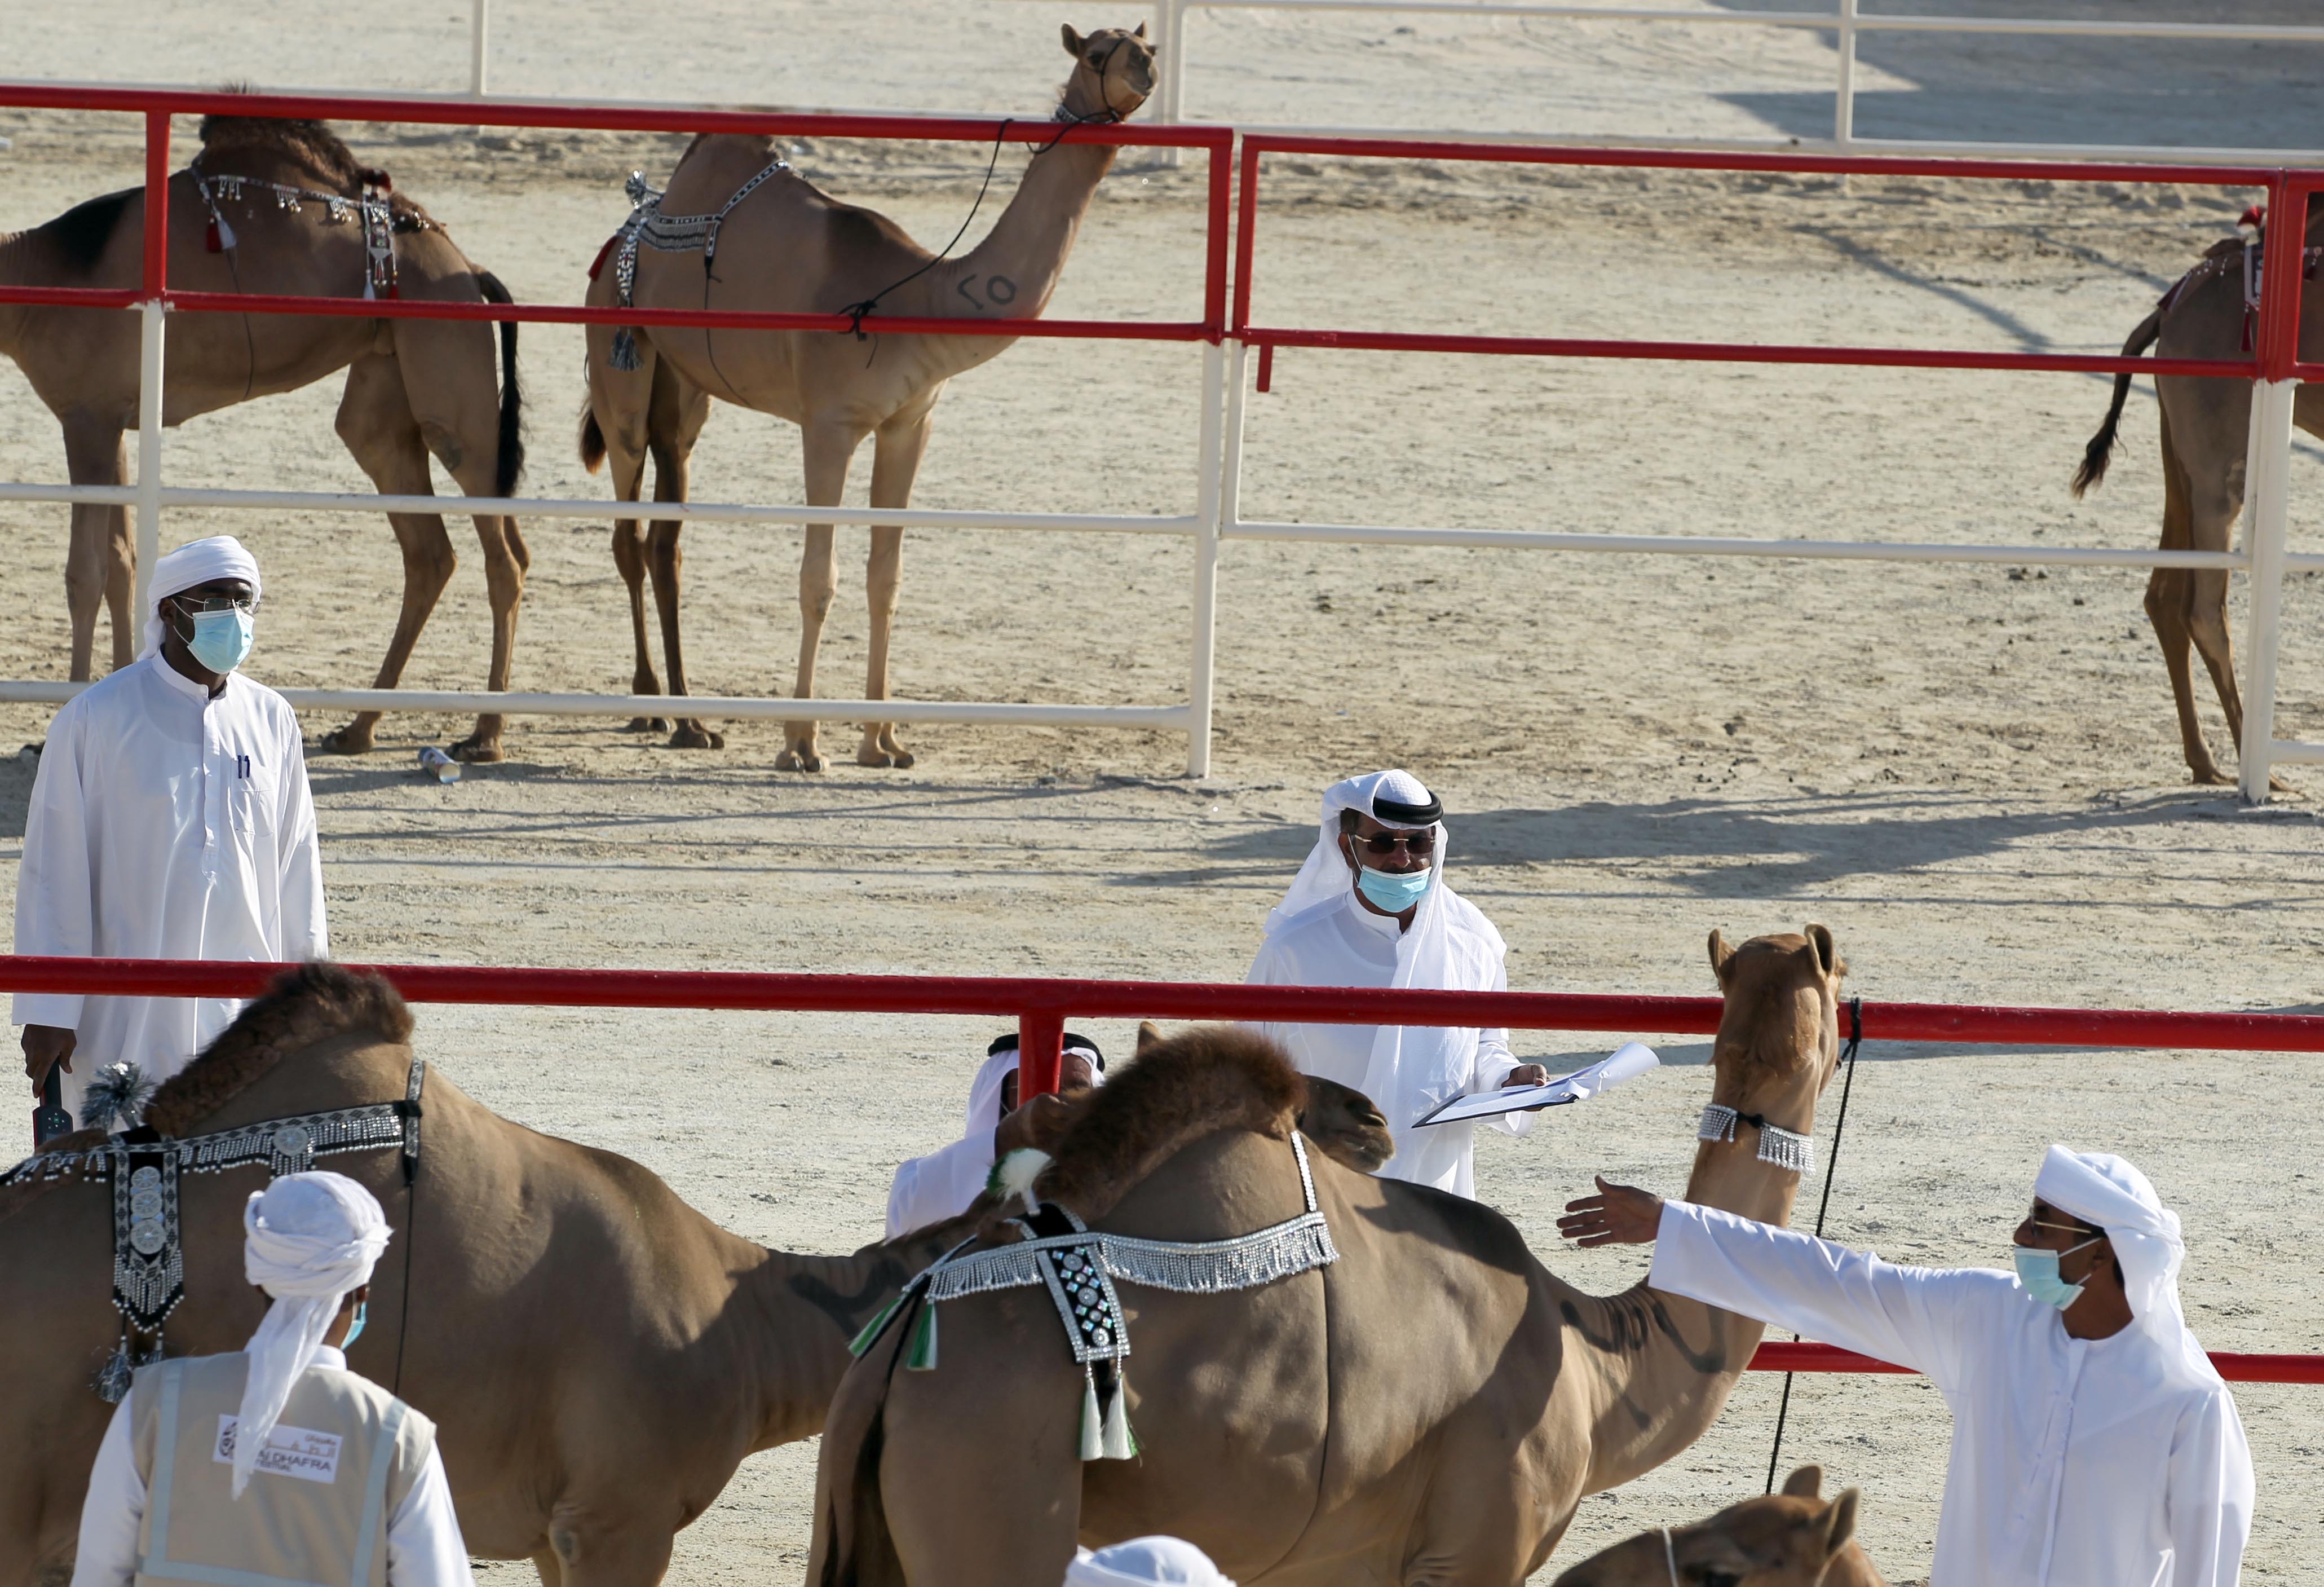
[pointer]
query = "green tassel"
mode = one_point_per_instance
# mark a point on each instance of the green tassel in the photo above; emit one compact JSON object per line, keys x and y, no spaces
{"x":1120,"y":1442}
{"x":874,"y":1328}
{"x":1092,"y":1438}
{"x":922,"y":1355}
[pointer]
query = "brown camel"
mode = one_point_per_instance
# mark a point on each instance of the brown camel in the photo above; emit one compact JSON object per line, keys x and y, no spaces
{"x":2205,"y":435}
{"x":1427,"y":1409}
{"x":414,"y":386}
{"x":597,"y":1355}
{"x":1794,"y":1538}
{"x":789,"y":247}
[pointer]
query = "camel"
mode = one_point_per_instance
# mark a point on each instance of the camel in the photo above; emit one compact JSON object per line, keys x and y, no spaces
{"x":2206,"y":436}
{"x":414,"y":386}
{"x":598,"y":1356}
{"x":786,"y":247}
{"x":1795,"y":1538}
{"x":1429,"y":1409}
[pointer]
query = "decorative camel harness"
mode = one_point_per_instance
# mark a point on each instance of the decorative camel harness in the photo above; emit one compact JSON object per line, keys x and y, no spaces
{"x":149,"y":1262}
{"x":1079,"y":1269}
{"x":2250,"y":251}
{"x":666,"y":234}
{"x":375,"y":208}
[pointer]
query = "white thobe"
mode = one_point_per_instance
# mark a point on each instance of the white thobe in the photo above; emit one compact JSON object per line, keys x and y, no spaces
{"x":2101,"y":1462}
{"x":423,"y":1535}
{"x":165,"y":825}
{"x":943,"y":1185}
{"x":1344,"y":944}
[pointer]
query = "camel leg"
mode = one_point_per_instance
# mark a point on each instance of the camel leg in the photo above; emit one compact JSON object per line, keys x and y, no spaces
{"x":593,"y":1555}
{"x":376,"y":423}
{"x":506,"y":562}
{"x":552,"y":1575}
{"x":829,"y":448}
{"x":896,"y":458}
{"x":2169,"y":600}
{"x":94,"y":455}
{"x":678,"y":411}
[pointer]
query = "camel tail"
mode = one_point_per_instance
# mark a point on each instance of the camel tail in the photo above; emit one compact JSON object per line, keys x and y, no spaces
{"x":511,"y":464}
{"x":2100,"y":451}
{"x":593,"y":439}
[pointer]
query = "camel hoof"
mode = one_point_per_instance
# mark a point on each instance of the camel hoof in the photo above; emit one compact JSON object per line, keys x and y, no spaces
{"x":646,"y":724}
{"x":791,"y":759}
{"x":898,"y":758}
{"x":476,"y":751}
{"x":693,"y":735}
{"x":2208,"y":777}
{"x":344,"y":741}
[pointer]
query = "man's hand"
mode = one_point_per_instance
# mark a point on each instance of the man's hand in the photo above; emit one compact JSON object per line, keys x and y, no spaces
{"x":45,"y":1046}
{"x":1619,"y":1214}
{"x":1527,"y":1074}
{"x":1036,"y":1124}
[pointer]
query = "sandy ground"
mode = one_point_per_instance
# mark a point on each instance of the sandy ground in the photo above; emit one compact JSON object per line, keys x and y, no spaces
{"x":1972,"y":775}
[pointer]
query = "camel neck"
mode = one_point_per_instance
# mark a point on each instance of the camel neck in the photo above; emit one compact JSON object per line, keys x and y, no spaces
{"x":1011,"y":274}
{"x":1668,"y":1362}
{"x":802,"y":1312}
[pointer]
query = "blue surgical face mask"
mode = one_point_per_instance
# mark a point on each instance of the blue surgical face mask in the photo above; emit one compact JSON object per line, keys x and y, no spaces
{"x":1393,"y":890}
{"x":2037,"y":1272}
{"x":354,"y":1329}
{"x":221,"y":639}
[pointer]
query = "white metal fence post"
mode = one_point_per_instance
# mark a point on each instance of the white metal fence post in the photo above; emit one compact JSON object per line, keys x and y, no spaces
{"x":478,"y":15}
{"x":1843,"y":110}
{"x":2265,"y":494}
{"x":1170,"y":45}
{"x":1209,"y":494}
{"x":149,"y":456}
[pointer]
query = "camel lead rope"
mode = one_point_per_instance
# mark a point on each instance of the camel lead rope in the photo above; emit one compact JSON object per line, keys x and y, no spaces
{"x":1830,"y":1170}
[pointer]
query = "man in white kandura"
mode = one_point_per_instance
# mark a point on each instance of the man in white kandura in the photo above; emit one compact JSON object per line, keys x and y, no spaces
{"x":277,"y":1464}
{"x":170,"y":819}
{"x":2094,"y":1445}
{"x":1371,"y":908}
{"x":1145,"y":1562}
{"x":928,"y":1190}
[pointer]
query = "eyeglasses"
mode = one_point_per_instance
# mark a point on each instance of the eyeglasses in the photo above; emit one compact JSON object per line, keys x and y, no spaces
{"x":1386,"y":843}
{"x":2080,"y":1229}
{"x":245,"y":605}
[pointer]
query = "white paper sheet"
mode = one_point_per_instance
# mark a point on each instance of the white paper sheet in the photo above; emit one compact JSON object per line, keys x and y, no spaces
{"x":1630,"y":1060}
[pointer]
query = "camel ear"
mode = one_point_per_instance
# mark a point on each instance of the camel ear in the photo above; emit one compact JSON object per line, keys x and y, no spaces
{"x":1827,"y":956}
{"x":1839,"y":1525}
{"x":1149,"y":1034}
{"x":1139,"y":31}
{"x":1719,"y":954}
{"x":1073,"y":41}
{"x":1807,"y":1482}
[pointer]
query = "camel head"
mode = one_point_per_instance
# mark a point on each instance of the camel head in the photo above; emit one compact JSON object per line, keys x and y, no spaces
{"x":1113,"y":72}
{"x":1788,"y":1539}
{"x":1778,"y":1039}
{"x":1340,"y":1121}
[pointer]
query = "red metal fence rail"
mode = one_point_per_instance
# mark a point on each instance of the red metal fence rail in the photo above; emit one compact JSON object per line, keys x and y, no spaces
{"x":1041,"y":1005}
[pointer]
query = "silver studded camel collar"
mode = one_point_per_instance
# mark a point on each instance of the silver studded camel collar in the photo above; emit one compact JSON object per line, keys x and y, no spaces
{"x":1783,"y":1148}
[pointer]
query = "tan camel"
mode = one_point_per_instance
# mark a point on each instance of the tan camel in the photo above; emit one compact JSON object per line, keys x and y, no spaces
{"x":597,"y":1355}
{"x":414,"y":386}
{"x":1795,"y":1538}
{"x":1428,"y":1409}
{"x":2205,"y":435}
{"x":789,"y":247}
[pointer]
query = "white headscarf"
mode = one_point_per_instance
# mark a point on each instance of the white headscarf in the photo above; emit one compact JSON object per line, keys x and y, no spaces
{"x":2105,"y":1190}
{"x":1449,"y":944}
{"x":308,"y":1239}
{"x":1168,"y":1561}
{"x":197,"y":562}
{"x":985,"y":1091}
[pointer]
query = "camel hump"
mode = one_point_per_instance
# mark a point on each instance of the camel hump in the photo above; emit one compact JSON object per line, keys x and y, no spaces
{"x":313,"y":1004}
{"x":309,"y":144}
{"x":1171,"y":1094}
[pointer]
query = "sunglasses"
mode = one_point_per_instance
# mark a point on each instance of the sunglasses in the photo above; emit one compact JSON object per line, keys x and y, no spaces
{"x":1386,"y":843}
{"x":245,"y":605}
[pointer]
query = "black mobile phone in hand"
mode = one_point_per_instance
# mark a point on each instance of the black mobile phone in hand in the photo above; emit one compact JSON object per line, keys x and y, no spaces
{"x":50,"y":1120}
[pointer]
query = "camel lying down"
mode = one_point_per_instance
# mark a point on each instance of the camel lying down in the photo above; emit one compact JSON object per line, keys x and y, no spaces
{"x":598,"y":1357}
{"x":1794,"y":1538}
{"x":1424,"y":1406}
